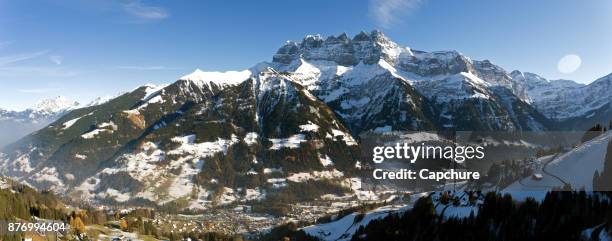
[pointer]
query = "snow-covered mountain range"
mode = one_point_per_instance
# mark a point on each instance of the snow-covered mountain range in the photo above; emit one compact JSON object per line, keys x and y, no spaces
{"x":336,"y":67}
{"x":562,"y":99}
{"x":41,"y":110}
{"x":17,"y":124}
{"x":215,"y":138}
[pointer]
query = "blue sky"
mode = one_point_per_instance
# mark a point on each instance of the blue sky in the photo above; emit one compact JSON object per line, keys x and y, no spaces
{"x":89,"y":48}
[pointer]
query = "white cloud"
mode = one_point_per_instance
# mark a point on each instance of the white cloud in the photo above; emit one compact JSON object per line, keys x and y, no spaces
{"x":9,"y":66}
{"x":56,"y":59}
{"x":388,"y":12}
{"x":138,"y":9}
{"x":5,"y":60}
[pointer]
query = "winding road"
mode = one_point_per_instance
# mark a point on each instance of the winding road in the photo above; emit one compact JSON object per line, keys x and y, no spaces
{"x":550,"y":174}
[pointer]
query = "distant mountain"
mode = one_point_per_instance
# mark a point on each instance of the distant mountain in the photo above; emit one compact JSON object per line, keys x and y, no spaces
{"x":17,"y":124}
{"x":573,"y":105}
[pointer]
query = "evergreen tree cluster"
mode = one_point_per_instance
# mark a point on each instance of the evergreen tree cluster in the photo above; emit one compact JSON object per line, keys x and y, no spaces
{"x":287,"y":232}
{"x":200,"y":236}
{"x":22,"y":202}
{"x":593,"y":132}
{"x":560,"y":216}
{"x":603,"y":181}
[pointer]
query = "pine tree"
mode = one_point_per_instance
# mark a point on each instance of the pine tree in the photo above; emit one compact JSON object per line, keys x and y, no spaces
{"x":592,"y":133}
{"x":596,"y":180}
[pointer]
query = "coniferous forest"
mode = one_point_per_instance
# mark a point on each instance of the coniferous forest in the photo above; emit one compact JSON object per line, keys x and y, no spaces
{"x":560,"y":216}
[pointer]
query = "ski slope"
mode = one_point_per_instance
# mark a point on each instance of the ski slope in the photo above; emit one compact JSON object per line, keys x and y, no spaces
{"x":575,"y":167}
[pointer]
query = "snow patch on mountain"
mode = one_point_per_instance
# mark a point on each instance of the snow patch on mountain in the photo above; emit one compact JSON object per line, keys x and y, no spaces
{"x":183,"y":184}
{"x":344,"y":228}
{"x":310,"y":127}
{"x":220,"y":79}
{"x":161,"y":185}
{"x":71,"y":122}
{"x":272,"y":170}
{"x":254,"y":194}
{"x":315,"y":175}
{"x":346,"y":137}
{"x":92,"y":134}
{"x":291,"y":142}
{"x":326,"y":161}
{"x":20,"y":164}
{"x":107,"y":127}
{"x":50,"y":176}
{"x":251,"y":138}
{"x":114,"y":194}
{"x":189,"y":148}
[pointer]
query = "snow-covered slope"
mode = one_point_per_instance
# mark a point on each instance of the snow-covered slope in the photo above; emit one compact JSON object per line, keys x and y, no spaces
{"x":344,"y":228}
{"x":575,"y":167}
{"x":208,"y":141}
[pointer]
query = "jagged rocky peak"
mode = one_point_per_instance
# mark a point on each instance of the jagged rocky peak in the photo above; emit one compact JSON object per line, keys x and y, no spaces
{"x":53,"y":105}
{"x":370,"y":48}
{"x":532,"y":80}
{"x":340,"y":39}
{"x":485,"y":67}
{"x":527,"y":77}
{"x":436,"y":63}
{"x":365,"y":47}
{"x":492,"y":73}
{"x":44,"y":109}
{"x":516,"y":73}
